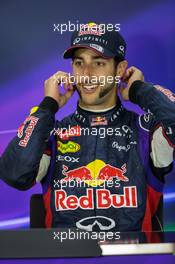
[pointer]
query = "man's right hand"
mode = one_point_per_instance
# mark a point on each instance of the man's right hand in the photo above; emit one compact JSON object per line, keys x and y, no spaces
{"x":52,"y":87}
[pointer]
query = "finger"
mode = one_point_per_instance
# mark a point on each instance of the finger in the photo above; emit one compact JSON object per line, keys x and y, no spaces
{"x":70,"y":87}
{"x":132,"y":69}
{"x":70,"y":84}
{"x":64,"y":98}
{"x":128,"y":73}
{"x":67,"y":84}
{"x":68,"y":94}
{"x":57,"y":79}
{"x":61,"y":77}
{"x":126,"y":76}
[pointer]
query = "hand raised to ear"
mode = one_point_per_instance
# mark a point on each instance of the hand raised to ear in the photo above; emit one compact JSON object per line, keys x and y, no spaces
{"x":52,"y":87}
{"x":132,"y":74}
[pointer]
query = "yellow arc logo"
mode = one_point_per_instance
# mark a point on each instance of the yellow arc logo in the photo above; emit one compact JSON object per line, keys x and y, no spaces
{"x":92,"y":24}
{"x":95,"y":166}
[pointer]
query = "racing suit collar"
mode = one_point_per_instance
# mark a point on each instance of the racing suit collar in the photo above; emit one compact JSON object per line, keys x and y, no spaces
{"x":101,"y":118}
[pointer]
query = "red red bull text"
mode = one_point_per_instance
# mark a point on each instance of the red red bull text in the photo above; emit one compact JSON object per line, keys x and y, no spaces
{"x":104,"y":199}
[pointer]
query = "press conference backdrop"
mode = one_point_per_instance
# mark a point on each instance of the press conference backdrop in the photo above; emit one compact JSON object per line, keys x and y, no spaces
{"x":31,"y":51}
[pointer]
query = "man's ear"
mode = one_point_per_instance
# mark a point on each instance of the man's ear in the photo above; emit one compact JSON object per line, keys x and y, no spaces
{"x":121,"y":68}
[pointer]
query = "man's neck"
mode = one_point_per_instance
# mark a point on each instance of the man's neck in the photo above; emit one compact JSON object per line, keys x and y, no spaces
{"x":97,"y":110}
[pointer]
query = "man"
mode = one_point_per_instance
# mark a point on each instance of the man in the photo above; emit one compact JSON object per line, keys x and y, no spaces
{"x":122,"y":170}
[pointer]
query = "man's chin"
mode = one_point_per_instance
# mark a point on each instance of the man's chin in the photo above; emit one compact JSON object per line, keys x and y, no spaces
{"x":89,"y":99}
{"x":88,"y":102}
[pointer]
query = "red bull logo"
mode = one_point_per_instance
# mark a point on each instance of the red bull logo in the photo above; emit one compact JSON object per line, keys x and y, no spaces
{"x":32,"y":120}
{"x":95,"y":173}
{"x":20,"y":131}
{"x":21,"y":128}
{"x":91,"y":29}
{"x":104,"y":199}
{"x":99,"y":120}
{"x":166,"y":92}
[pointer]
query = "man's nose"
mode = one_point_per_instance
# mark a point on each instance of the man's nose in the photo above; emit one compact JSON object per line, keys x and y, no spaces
{"x":87,"y":70}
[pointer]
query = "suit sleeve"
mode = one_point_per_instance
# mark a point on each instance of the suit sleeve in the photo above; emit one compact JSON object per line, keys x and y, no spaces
{"x":159,"y":105}
{"x":24,"y":161}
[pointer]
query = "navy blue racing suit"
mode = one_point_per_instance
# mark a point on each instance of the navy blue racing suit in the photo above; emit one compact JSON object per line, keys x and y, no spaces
{"x":104,"y":170}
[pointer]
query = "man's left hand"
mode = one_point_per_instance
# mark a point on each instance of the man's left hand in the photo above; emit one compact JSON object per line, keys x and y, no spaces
{"x":132,"y":74}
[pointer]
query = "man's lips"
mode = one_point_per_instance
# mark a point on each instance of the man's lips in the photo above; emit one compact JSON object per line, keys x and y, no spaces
{"x":89,"y":89}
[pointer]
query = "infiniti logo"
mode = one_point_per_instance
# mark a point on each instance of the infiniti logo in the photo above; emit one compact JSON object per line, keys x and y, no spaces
{"x":76,"y":41}
{"x":121,"y":47}
{"x":104,"y":223}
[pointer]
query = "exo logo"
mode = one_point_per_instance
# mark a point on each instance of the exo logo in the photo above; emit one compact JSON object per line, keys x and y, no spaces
{"x":67,"y":158}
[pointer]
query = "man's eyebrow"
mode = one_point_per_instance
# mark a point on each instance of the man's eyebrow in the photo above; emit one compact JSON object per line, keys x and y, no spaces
{"x":98,"y":57}
{"x":93,"y":57}
{"x":77,"y":57}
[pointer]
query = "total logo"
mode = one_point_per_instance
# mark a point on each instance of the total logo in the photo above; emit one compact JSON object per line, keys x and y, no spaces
{"x":70,"y":146}
{"x":99,"y":198}
{"x":95,"y":173}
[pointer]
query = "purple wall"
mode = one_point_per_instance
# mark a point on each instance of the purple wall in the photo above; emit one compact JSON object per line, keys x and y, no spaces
{"x":31,"y":52}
